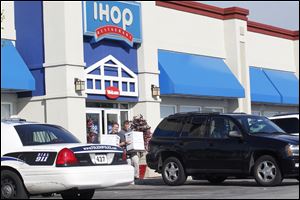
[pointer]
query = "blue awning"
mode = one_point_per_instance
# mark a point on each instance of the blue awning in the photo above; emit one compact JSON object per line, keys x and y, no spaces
{"x":262,"y":90}
{"x":15,"y":74}
{"x":186,"y":74}
{"x":286,"y":83}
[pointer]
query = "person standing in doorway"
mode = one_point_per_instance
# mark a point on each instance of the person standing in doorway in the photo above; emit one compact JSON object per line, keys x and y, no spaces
{"x":132,"y":157}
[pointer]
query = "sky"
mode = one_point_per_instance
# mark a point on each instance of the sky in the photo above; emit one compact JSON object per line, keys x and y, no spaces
{"x":283,"y":14}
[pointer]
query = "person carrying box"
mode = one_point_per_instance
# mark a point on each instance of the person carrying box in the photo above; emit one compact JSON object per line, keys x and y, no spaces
{"x":132,"y":157}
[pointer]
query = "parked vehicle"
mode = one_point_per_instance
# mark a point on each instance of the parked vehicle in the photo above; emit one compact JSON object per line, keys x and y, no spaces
{"x":45,"y":159}
{"x":287,"y":122}
{"x":215,"y":146}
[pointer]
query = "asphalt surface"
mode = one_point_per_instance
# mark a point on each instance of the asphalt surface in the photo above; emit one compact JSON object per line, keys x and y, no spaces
{"x":230,"y":189}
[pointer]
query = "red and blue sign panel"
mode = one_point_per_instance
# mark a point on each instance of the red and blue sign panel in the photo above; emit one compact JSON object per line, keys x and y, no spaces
{"x":117,"y":20}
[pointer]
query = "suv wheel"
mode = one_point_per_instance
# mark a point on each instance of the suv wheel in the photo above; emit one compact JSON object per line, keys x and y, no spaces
{"x":173,"y":172}
{"x":214,"y":179}
{"x":267,"y":172}
{"x":12,"y":186}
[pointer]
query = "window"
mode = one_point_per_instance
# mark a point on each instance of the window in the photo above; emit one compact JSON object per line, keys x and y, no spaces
{"x":166,"y":110}
{"x":196,"y":128}
{"x":43,"y":137}
{"x":270,"y":114}
{"x":213,"y":109}
{"x":289,"y":125}
{"x":189,"y":109}
{"x":37,"y":134}
{"x":168,"y":128}
{"x":220,"y":127}
{"x":6,"y":110}
{"x":258,"y":124}
{"x":258,"y":113}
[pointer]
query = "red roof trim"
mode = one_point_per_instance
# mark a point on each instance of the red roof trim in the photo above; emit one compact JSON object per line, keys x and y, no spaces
{"x":229,"y":13}
{"x":206,"y":10}
{"x":272,"y":31}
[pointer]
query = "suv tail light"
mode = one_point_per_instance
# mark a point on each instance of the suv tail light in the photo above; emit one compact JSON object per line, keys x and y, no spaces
{"x":66,"y":157}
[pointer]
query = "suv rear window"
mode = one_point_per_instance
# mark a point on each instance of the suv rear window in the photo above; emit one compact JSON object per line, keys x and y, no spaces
{"x":169,"y":127}
{"x":289,"y":125}
{"x":38,"y":134}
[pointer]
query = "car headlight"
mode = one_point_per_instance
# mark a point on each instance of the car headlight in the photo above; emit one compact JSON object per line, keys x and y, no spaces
{"x":292,"y":150}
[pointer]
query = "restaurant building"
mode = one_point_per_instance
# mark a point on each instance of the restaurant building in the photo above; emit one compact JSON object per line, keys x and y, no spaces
{"x":84,"y":65}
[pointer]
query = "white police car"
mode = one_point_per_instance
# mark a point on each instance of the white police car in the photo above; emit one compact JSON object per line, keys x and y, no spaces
{"x":289,"y":122}
{"x":43,"y":158}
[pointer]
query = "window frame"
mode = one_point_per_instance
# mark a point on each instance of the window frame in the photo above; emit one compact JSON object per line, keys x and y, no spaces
{"x":167,"y":105}
{"x":222,"y":108}
{"x":10,"y":108}
{"x":225,"y":118}
{"x":189,"y":106}
{"x":189,"y":120}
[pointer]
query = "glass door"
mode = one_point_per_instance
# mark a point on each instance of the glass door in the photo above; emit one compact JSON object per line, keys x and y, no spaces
{"x":111,"y":116}
{"x":93,"y":125}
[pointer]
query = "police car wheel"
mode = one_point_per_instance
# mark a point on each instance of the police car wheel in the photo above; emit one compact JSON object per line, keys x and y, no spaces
{"x":78,"y":194}
{"x":12,"y":186}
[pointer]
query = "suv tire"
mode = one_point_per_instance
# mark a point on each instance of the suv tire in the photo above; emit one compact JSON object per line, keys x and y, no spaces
{"x":267,"y":172}
{"x":173,"y":172}
{"x":215,"y":179}
{"x":12,"y":186}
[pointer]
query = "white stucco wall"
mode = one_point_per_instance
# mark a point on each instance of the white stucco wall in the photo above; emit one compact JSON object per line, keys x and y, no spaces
{"x":296,"y":54}
{"x":8,"y":24}
{"x":32,"y":110}
{"x":186,"y":32}
{"x":270,"y":52}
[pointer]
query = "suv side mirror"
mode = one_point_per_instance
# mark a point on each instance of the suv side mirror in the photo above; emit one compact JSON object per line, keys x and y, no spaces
{"x":235,"y":134}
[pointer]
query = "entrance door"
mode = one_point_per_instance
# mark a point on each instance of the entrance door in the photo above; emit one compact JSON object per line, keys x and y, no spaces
{"x":110,"y":116}
{"x":93,"y":126}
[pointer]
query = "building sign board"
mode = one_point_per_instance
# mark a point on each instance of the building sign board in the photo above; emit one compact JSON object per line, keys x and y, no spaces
{"x":112,"y":92}
{"x":118,"y":20}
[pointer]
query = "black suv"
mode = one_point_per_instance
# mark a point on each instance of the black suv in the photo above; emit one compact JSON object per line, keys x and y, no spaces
{"x":215,"y":146}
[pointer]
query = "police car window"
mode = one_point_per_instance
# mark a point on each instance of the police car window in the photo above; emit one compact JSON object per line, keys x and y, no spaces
{"x":44,"y":136}
{"x":289,"y":125}
{"x":37,"y":134}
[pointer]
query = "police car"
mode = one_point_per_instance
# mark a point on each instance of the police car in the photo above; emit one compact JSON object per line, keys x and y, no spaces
{"x":43,"y":159}
{"x":289,"y":122}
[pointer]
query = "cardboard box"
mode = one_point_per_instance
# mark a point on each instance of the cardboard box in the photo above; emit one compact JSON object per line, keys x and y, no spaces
{"x":136,"y":140}
{"x":110,"y":140}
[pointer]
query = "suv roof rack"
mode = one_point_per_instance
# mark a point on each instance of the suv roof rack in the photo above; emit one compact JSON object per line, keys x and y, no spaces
{"x":243,"y":113}
{"x":285,"y":114}
{"x":197,"y":112}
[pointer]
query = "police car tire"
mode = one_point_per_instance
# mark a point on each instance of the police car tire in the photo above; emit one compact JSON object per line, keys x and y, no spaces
{"x":78,"y":194}
{"x":13,"y":178}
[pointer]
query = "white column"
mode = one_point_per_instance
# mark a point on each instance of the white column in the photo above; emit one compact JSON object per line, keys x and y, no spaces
{"x":236,"y":51}
{"x":64,"y":61}
{"x":148,"y":105}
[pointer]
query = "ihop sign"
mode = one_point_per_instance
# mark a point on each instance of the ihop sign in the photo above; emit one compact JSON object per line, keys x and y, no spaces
{"x":115,"y":20}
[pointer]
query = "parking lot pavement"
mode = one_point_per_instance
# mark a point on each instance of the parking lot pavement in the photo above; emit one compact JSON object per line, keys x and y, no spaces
{"x":230,"y":189}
